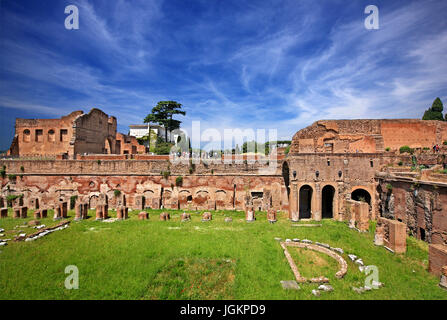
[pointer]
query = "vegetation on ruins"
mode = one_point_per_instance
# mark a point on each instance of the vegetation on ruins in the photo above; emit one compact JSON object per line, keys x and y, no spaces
{"x":22,"y":168}
{"x":12,"y":177}
{"x":11,"y":198}
{"x":116,"y":193}
{"x":406,"y":149}
{"x":166,"y":174}
{"x":212,"y":260}
{"x":163,"y":114}
{"x":179,"y":181}
{"x":435,"y":112}
{"x":389,"y":187}
{"x":3,"y":172}
{"x":99,"y":162}
{"x":387,"y":149}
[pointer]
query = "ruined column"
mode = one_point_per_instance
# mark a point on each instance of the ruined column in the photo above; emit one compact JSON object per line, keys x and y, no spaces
{"x":207,"y":216}
{"x":164,"y":216}
{"x":249,"y":214}
{"x":120,"y":213}
{"x":37,"y":214}
{"x":143,"y":215}
{"x":57,"y":213}
{"x":78,"y":211}
{"x":186,"y":217}
{"x":271,"y":216}
{"x":85,"y":210}
{"x":105,"y":211}
{"x":99,"y":212}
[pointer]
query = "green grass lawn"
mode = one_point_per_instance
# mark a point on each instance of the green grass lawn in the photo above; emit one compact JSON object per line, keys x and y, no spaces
{"x":155,"y":259}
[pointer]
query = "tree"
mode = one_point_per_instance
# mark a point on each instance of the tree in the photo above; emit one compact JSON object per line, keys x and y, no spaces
{"x":162,"y":114}
{"x":435,"y":112}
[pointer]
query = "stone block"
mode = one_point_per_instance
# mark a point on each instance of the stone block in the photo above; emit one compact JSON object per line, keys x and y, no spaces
{"x":143,"y":215}
{"x":99,"y":212}
{"x":437,"y":258}
{"x":207,"y":216}
{"x":397,"y":236}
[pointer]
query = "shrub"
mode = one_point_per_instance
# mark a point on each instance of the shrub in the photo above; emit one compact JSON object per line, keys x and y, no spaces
{"x":407,"y":149}
{"x":116,"y":193}
{"x":3,"y":173}
{"x":22,"y":168}
{"x":179,"y":181}
{"x":400,"y":163}
{"x":11,"y":198}
{"x":389,"y":187}
{"x":99,"y":162}
{"x":444,"y":143}
{"x":387,"y":149}
{"x":190,"y":170}
{"x":12,"y":177}
{"x":212,"y":171}
{"x":166,"y":174}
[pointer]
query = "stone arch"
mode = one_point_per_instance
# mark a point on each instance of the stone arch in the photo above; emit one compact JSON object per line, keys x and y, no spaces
{"x":201,"y":199}
{"x":149,"y":195}
{"x":221,"y":197}
{"x":360,"y":194}
{"x":183,"y":199}
{"x":305,"y":196}
{"x":93,"y":201}
{"x":327,"y":201}
{"x":166,"y":198}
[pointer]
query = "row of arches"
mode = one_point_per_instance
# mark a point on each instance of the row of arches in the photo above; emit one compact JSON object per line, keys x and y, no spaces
{"x":306,"y":195}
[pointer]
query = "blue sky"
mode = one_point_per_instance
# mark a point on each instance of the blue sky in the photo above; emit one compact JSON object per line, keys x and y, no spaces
{"x":232,"y":64}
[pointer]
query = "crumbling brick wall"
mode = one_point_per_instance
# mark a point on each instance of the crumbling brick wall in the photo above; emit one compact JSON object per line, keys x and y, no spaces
{"x":367,"y":136}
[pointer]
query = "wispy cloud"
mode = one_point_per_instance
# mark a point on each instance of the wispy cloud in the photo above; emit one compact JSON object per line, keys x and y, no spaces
{"x":231,"y":64}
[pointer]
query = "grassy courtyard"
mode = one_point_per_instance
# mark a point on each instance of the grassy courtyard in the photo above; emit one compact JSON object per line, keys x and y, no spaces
{"x":155,"y":259}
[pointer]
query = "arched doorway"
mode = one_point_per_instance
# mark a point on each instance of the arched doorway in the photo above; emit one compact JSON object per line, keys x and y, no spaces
{"x":327,"y":202}
{"x":305,"y":202}
{"x":361,"y":195}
